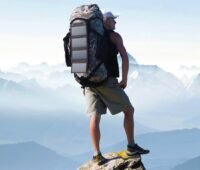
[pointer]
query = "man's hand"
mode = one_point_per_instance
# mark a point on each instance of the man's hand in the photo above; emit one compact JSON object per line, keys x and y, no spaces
{"x":123,"y":84}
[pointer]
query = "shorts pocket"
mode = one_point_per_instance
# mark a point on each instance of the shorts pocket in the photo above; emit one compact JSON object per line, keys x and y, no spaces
{"x":112,"y":82}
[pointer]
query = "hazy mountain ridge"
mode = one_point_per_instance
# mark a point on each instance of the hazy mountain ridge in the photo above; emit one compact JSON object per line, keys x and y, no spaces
{"x":179,"y":142}
{"x":192,"y":164}
{"x":54,"y":131}
{"x":59,"y":75}
{"x":32,"y":156}
{"x":167,"y":149}
{"x":176,"y":146}
{"x":194,"y":87}
{"x":9,"y":85}
{"x":29,"y":94}
{"x":12,"y":76}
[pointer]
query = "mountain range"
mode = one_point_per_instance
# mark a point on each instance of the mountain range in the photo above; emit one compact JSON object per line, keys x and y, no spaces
{"x":193,"y":164}
{"x":32,"y":156}
{"x":44,"y":103}
{"x":152,"y":90}
{"x":168,"y":149}
{"x":60,"y":132}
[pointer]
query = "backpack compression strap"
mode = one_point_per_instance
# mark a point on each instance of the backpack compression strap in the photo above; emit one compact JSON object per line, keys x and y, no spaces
{"x":85,"y":82}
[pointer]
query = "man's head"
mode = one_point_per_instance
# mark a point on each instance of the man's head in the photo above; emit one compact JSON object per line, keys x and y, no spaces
{"x":109,"y":20}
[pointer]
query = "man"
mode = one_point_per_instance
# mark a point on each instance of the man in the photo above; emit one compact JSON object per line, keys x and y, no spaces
{"x":111,"y":94}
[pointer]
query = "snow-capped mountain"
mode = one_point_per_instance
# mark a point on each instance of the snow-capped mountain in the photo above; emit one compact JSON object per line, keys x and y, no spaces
{"x":131,"y":59}
{"x":195,"y":86}
{"x":151,"y":89}
{"x":155,"y":82}
{"x":12,"y":76}
{"x":187,"y":74}
{"x":188,"y":71}
{"x":46,"y":76}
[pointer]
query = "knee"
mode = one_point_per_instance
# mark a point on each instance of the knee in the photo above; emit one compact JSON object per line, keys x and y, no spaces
{"x":132,"y":110}
{"x":95,"y":120}
{"x":129,"y":111}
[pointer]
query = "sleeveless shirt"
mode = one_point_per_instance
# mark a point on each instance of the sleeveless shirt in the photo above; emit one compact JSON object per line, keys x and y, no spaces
{"x":111,"y":59}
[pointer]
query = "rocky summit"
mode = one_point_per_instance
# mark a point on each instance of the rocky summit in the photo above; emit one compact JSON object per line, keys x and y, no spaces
{"x":114,"y":162}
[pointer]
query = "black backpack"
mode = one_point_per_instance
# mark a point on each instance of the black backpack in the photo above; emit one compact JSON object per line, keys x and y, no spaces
{"x":86,"y":46}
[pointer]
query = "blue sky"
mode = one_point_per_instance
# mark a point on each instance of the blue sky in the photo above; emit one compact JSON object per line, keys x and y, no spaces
{"x":160,"y":32}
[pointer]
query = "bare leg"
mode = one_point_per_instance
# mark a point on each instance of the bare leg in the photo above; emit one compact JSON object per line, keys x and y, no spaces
{"x":129,"y":124}
{"x":95,"y":132}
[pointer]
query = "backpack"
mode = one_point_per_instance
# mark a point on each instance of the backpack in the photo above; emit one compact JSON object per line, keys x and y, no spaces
{"x":86,"y":46}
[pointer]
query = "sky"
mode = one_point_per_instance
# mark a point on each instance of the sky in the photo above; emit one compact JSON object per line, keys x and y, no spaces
{"x":156,"y":32}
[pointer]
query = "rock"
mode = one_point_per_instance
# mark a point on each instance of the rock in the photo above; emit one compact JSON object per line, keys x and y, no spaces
{"x":114,"y":162}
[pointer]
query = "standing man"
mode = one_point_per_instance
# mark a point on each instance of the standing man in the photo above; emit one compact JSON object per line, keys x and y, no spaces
{"x":111,"y":94}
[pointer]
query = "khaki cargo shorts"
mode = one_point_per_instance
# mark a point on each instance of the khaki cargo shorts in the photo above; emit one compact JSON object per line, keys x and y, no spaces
{"x":109,"y":95}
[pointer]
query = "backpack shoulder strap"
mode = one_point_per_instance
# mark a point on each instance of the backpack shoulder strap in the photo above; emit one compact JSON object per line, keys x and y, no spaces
{"x":66,"y":40}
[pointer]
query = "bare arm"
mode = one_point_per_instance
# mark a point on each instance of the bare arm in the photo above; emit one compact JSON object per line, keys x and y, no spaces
{"x":117,"y":40}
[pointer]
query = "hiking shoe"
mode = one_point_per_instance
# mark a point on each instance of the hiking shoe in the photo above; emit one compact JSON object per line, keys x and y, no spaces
{"x":133,"y":150}
{"x":99,"y":159}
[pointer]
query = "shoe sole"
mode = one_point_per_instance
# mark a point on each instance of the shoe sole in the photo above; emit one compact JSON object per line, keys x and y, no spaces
{"x":136,"y":153}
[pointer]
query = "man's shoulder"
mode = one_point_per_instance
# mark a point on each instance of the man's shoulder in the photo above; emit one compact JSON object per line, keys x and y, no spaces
{"x":115,"y":36}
